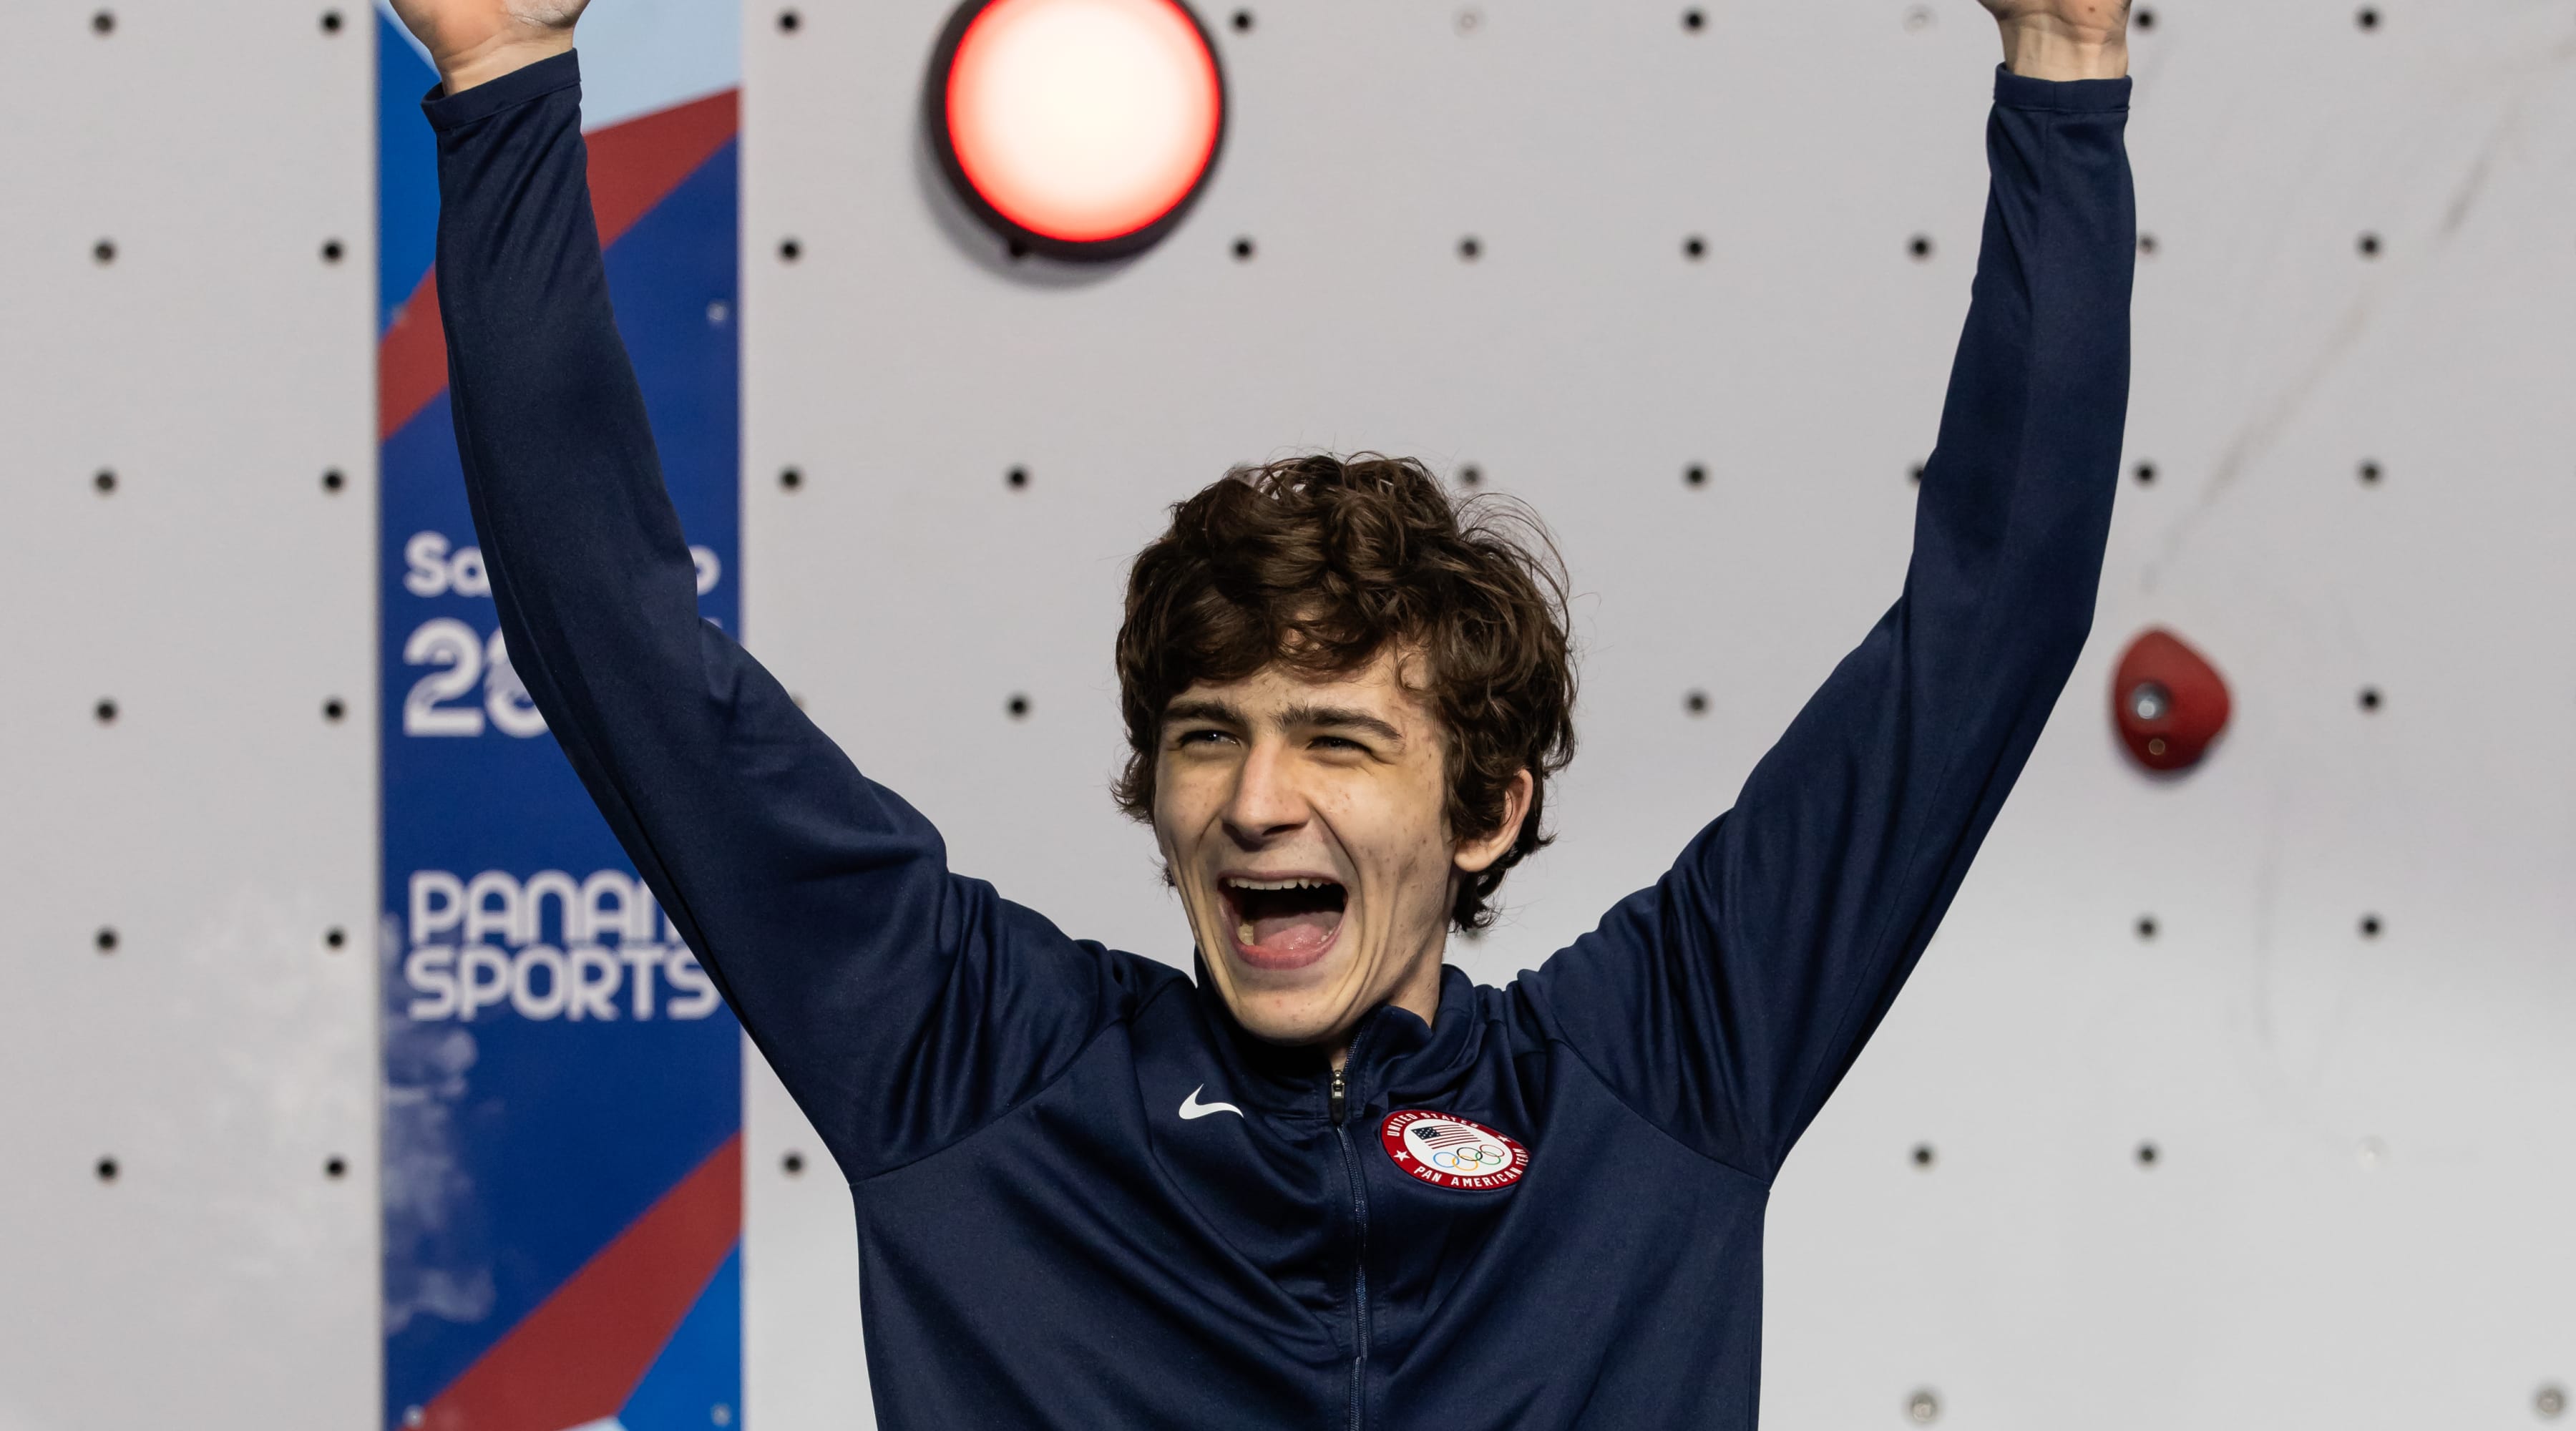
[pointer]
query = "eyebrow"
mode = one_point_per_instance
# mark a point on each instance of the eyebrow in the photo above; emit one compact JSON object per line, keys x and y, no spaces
{"x":1304,"y":714}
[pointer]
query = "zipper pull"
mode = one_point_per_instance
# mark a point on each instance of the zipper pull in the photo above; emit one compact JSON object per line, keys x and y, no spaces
{"x":1341,"y":1098}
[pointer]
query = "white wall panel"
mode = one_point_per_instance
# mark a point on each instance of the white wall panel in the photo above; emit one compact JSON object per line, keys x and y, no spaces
{"x":220,"y":829}
{"x":2355,"y":1214}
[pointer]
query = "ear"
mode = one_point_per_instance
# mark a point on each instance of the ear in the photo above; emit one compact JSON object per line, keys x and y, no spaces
{"x":1474,"y":856}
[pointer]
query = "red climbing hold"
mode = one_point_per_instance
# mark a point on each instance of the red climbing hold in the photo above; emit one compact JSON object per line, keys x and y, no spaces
{"x":2168,"y":701}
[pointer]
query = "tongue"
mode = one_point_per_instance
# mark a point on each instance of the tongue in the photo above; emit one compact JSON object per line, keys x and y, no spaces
{"x":1300,"y":933}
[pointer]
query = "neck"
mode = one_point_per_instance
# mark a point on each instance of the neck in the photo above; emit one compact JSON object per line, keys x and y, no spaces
{"x":1418,"y":994}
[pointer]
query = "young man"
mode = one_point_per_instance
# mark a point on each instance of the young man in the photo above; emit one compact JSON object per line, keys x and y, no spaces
{"x":1330,"y":1183}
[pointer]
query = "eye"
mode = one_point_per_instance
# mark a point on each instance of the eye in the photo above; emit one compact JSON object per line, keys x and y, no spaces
{"x":1193,"y":737}
{"x":1341,"y":741}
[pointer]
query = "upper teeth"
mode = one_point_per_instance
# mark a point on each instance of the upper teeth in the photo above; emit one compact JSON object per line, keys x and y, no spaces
{"x":1280,"y":883}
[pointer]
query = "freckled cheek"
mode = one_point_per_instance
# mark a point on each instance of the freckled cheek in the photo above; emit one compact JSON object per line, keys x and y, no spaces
{"x":1177,"y":826}
{"x":1391,"y":849}
{"x":1183,"y":806}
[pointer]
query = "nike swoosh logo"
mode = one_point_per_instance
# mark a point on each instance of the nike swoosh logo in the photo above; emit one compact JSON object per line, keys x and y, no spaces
{"x":1191,"y":1107}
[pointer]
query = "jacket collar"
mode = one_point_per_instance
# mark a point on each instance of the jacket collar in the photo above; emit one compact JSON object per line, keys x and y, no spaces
{"x":1396,"y":1059}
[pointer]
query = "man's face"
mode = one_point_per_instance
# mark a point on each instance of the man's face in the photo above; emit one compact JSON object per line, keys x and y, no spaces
{"x":1304,"y":824}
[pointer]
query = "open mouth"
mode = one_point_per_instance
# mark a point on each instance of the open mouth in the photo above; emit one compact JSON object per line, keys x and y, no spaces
{"x":1283,"y":923}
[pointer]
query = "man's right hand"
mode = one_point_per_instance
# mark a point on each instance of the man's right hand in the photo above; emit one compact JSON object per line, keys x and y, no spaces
{"x":476,"y":40}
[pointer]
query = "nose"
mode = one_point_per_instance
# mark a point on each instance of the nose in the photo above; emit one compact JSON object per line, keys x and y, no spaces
{"x":1266,"y":802}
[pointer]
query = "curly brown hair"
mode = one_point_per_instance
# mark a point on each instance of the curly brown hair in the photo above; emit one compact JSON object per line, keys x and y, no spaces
{"x":1317,"y":563}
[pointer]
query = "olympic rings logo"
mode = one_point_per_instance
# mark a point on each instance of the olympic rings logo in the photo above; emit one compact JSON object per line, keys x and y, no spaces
{"x":1457,"y":1148}
{"x":1475,"y":1159}
{"x":1448,"y":1151}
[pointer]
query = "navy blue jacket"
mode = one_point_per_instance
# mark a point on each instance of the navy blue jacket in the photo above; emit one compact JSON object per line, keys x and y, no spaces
{"x":1045,"y":1240}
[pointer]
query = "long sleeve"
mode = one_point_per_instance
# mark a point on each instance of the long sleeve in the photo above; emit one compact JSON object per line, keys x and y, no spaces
{"x":902,"y":1004}
{"x":1726,"y":1002}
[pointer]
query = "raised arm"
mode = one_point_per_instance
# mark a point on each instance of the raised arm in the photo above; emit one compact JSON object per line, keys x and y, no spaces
{"x":902,"y":1004}
{"x":1726,"y":1002}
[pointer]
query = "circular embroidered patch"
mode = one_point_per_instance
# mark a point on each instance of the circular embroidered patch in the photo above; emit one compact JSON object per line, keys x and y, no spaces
{"x":1447,"y":1151}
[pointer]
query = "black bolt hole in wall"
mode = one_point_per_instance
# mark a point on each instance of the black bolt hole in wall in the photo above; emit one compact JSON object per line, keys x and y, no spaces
{"x":104,"y":481}
{"x":107,"y":1170}
{"x":789,"y":250}
{"x":104,"y":22}
{"x":1920,"y":246}
{"x":792,"y":1164}
{"x":2369,"y":474}
{"x":333,"y":709}
{"x":1018,"y":706}
{"x":330,"y":22}
{"x":1695,"y":475}
{"x":335,"y":1167}
{"x":1017,"y":477}
{"x":1470,"y":475}
{"x":1696,"y":703}
{"x":332,"y":480}
{"x":1243,"y":22}
{"x":2367,"y":18}
{"x":334,"y":937}
{"x":2148,"y":1155}
{"x":1243,"y":250}
{"x":106,"y":940}
{"x":2146,"y":926}
{"x":1914,"y":472}
{"x":1923,"y":1156}
{"x":788,"y":21}
{"x":331,"y":250}
{"x":2147,"y":244}
{"x":2370,"y":698}
{"x":2143,"y":20}
{"x":103,"y":251}
{"x":790,"y":478}
{"x":2370,"y":926}
{"x":2368,"y":244}
{"x":2145,"y":472}
{"x":105,"y":710}
{"x":1694,"y":247}
{"x":1694,"y":20}
{"x":1470,"y":249}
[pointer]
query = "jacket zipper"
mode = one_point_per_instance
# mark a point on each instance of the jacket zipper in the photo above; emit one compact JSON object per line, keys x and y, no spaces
{"x":1359,"y":1245}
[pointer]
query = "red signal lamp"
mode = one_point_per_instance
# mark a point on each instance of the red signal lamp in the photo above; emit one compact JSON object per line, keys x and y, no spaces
{"x":1080,"y":129}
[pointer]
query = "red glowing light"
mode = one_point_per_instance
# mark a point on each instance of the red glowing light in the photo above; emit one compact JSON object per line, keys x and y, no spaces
{"x":1080,"y":122}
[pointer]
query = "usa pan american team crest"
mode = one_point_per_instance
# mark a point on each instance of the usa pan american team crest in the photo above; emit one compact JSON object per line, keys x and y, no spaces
{"x":1451,"y":1152}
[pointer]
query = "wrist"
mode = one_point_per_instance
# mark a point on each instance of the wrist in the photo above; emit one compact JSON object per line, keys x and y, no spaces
{"x":499,"y":56}
{"x":2047,"y":48}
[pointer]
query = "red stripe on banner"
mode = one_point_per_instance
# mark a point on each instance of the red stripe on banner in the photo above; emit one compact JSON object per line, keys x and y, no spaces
{"x":580,"y":1354}
{"x":633,"y":166}
{"x":411,"y":360}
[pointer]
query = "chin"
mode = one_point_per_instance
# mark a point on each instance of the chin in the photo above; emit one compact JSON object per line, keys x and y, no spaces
{"x":1287,"y":1021}
{"x":1305,"y":1003}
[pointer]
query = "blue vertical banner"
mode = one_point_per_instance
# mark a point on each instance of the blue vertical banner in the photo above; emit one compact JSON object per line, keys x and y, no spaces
{"x":563,"y":1089}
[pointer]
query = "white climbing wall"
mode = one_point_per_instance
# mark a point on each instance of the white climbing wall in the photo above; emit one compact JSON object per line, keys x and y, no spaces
{"x":2353,"y":1210}
{"x":187,"y":760}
